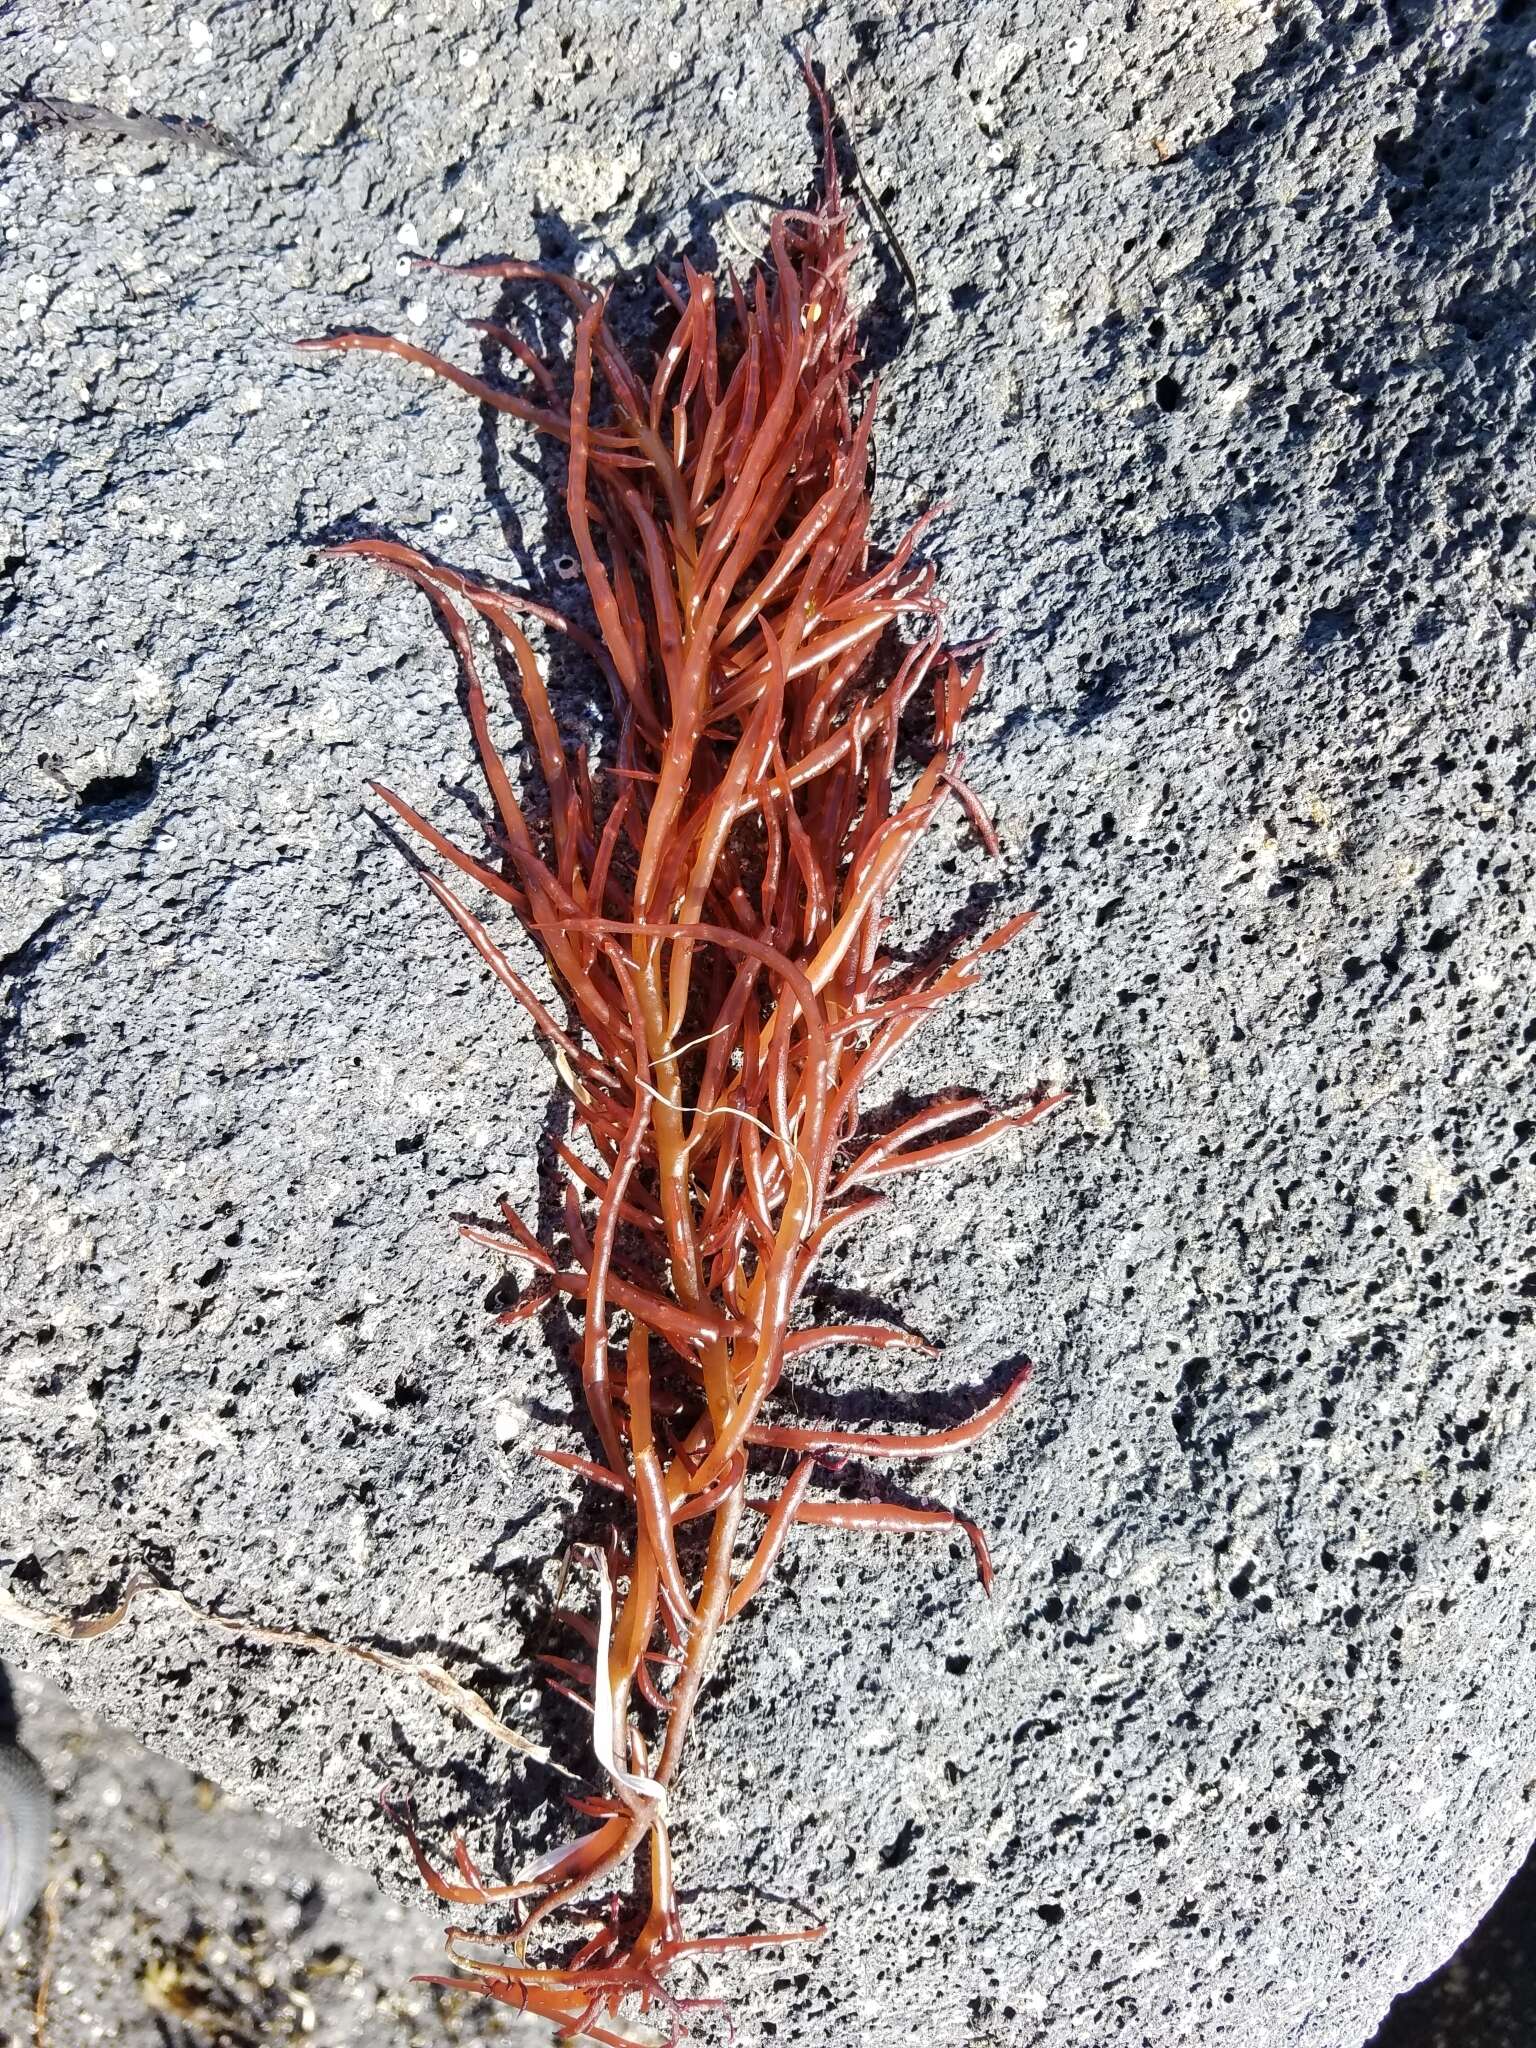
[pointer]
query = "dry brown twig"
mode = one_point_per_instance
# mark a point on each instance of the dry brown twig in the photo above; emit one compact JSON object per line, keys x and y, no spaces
{"x":45,"y":112}
{"x":49,"y":1908}
{"x":143,"y":1590}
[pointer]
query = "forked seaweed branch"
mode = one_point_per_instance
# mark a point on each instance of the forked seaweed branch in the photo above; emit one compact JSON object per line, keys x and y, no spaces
{"x":708,"y":903}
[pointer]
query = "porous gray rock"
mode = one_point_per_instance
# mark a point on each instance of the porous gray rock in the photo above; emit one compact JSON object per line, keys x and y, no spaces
{"x":1222,"y":352}
{"x":174,"y":1914}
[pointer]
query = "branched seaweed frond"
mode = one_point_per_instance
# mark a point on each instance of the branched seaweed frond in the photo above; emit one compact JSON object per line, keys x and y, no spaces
{"x":708,"y":905}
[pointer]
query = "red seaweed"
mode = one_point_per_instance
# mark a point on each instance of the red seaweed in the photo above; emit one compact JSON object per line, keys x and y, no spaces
{"x":708,"y":905}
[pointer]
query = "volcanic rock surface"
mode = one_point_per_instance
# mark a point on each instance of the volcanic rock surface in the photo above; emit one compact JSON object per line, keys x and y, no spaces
{"x":1221,"y":351}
